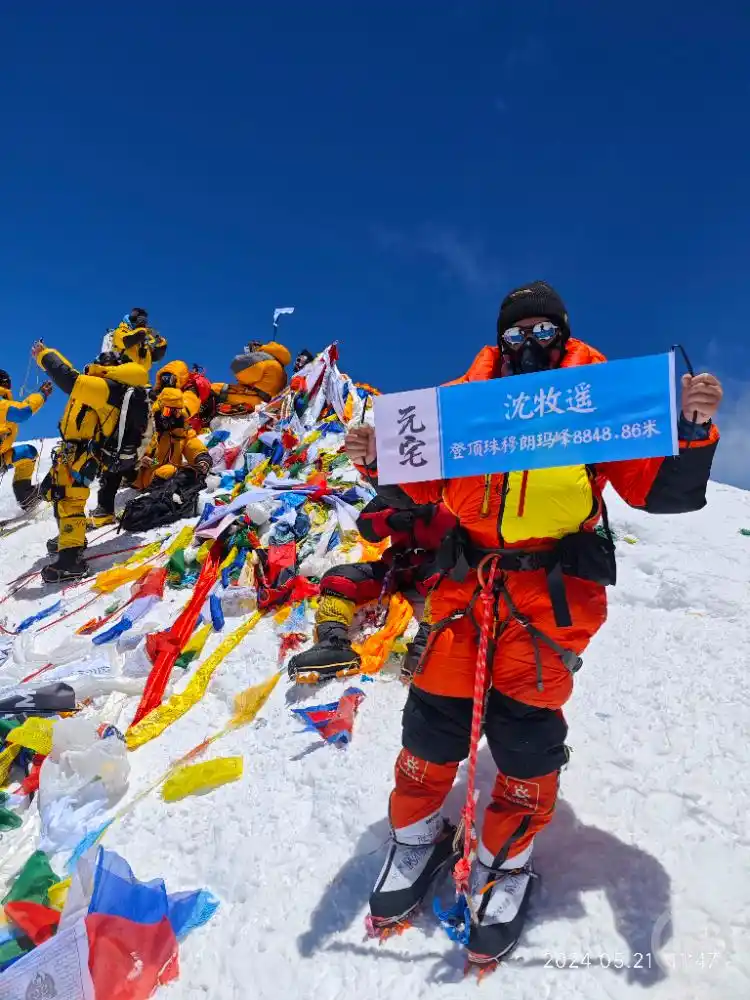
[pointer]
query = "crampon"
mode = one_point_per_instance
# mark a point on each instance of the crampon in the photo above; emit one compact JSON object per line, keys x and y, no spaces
{"x":481,"y":966}
{"x":318,"y":676}
{"x":380,"y":928}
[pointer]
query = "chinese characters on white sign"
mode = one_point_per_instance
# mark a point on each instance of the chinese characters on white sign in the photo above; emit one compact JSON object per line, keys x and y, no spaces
{"x":603,"y":413}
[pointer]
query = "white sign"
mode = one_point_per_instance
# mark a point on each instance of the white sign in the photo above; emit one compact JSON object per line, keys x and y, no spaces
{"x":58,"y":968}
{"x":407,"y":431}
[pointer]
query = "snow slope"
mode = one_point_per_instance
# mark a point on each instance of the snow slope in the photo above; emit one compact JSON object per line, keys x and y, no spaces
{"x":645,"y":863}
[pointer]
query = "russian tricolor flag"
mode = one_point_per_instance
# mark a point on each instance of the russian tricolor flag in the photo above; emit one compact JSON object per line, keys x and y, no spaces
{"x":134,"y":928}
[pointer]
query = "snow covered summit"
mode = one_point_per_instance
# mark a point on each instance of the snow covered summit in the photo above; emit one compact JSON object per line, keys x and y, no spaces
{"x":644,"y":879}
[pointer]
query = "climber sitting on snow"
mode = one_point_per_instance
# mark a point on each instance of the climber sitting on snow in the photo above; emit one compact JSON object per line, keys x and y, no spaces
{"x":174,"y":444}
{"x":261,"y":375}
{"x":416,"y":532}
{"x":190,"y":382}
{"x":21,"y":457}
{"x":198,"y":384}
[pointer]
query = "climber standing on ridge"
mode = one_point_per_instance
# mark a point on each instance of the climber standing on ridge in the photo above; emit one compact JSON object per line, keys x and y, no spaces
{"x":91,"y":442}
{"x":134,"y":340}
{"x":137,"y":341}
{"x":20,"y":457}
{"x":544,"y":617}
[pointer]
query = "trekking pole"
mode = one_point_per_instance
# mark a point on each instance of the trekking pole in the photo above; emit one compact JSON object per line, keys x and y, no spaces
{"x":27,"y":376}
{"x":691,"y":372}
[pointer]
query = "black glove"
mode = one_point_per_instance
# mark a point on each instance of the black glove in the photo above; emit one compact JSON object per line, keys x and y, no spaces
{"x":203,"y":464}
{"x":46,"y":389}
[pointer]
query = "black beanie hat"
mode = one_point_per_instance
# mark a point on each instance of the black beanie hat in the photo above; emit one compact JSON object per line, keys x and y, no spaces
{"x":536,"y":299}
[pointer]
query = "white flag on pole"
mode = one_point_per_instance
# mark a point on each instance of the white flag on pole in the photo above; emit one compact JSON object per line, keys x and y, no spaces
{"x":286,"y":311}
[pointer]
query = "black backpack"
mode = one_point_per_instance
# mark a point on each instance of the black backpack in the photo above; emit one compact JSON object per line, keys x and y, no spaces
{"x":127,"y":444}
{"x":164,"y":503}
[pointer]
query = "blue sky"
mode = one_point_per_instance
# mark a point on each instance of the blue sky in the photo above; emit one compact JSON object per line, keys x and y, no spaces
{"x":390,"y":168}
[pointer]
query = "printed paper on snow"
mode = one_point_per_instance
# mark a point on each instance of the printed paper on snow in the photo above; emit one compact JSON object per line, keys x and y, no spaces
{"x":58,"y":968}
{"x":570,"y":416}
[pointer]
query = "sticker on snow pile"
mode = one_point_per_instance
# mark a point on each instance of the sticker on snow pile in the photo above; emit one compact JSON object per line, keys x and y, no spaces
{"x":569,"y":416}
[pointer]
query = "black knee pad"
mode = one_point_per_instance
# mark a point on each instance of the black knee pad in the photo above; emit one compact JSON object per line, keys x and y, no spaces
{"x":345,"y":581}
{"x":435,"y":727}
{"x":525,"y":742}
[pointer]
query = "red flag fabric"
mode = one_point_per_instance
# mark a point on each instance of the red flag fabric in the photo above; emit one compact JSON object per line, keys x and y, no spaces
{"x":128,"y":960}
{"x":165,"y":647}
{"x":281,"y":562}
{"x":152,"y":584}
{"x":37,"y":922}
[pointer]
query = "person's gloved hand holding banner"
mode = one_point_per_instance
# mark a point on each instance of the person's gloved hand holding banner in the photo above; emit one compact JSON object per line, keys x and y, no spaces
{"x":566,"y":416}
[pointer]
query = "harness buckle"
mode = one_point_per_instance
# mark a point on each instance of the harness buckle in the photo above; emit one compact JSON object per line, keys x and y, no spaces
{"x":571,"y":661}
{"x":528,"y":561}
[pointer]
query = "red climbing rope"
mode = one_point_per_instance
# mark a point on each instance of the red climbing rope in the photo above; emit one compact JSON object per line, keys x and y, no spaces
{"x":462,"y":868}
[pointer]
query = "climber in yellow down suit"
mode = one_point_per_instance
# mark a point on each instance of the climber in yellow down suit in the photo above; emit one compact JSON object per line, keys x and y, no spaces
{"x":174,"y":444}
{"x":89,"y":421}
{"x":20,"y":457}
{"x":261,"y":375}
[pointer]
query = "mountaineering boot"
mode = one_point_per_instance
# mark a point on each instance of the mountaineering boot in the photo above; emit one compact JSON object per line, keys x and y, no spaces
{"x":331,"y":656}
{"x":53,"y":546}
{"x":69,"y":566}
{"x":415,"y":856}
{"x":27,"y":496}
{"x":500,"y":896}
{"x":100,"y":518}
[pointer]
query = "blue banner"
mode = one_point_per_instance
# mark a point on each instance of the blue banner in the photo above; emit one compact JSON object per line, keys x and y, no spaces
{"x":569,"y":416}
{"x":607,"y":412}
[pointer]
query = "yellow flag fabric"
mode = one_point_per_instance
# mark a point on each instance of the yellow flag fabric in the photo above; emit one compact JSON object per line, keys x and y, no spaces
{"x":182,"y":540}
{"x":258,"y":475}
{"x":249,"y":702}
{"x":282,"y":614}
{"x":116,"y":577}
{"x":34,"y":734}
{"x":131,"y":569}
{"x":58,"y":893}
{"x":202,"y":554}
{"x":229,"y":559}
{"x":376,"y":648}
{"x":7,"y":757}
{"x":372,"y":551}
{"x":170,"y":711}
{"x":201,"y":777}
{"x":194,"y":646}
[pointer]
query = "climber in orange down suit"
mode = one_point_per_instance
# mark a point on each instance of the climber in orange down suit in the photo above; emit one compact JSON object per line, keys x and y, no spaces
{"x":549,"y":600}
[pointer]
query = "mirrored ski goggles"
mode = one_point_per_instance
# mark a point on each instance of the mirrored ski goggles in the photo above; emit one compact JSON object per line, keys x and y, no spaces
{"x":543,"y":333}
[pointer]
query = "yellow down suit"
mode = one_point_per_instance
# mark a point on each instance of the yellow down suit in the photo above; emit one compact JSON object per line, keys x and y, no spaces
{"x":91,"y":415}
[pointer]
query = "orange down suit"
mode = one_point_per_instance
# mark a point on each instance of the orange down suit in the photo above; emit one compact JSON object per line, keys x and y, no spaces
{"x":529,"y":680}
{"x":260,"y":376}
